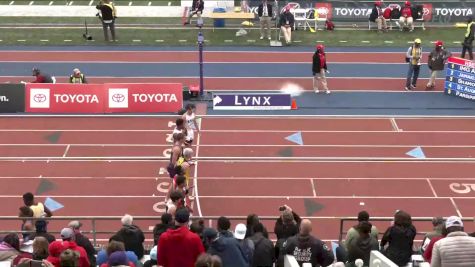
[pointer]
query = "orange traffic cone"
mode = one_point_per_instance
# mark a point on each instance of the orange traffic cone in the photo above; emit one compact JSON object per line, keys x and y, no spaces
{"x":294,"y":104}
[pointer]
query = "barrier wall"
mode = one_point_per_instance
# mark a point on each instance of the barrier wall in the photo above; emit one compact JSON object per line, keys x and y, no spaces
{"x":91,"y":98}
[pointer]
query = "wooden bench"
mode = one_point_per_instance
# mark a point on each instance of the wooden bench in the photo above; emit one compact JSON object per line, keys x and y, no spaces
{"x":418,"y":23}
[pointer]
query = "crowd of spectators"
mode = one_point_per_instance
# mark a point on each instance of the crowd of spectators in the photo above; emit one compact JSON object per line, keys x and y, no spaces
{"x":180,"y":241}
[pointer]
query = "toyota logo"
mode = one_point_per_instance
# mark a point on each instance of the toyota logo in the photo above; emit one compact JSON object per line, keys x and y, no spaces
{"x":39,"y":98}
{"x":323,"y":11}
{"x":118,"y":98}
{"x":426,"y":11}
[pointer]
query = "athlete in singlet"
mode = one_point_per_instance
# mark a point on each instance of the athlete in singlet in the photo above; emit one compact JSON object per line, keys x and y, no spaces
{"x":186,"y":162}
{"x":180,"y":127}
{"x":177,"y":152}
{"x":191,"y":124}
{"x":178,"y":184}
{"x":175,"y":202}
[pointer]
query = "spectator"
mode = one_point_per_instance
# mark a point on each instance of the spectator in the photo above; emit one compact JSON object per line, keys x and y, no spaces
{"x":251,"y":221}
{"x":287,"y":24}
{"x":406,"y":20}
{"x":113,"y":246}
{"x":83,"y":241}
{"x":39,"y":210}
{"x":361,"y":247}
{"x":457,"y":249}
{"x":10,"y":248}
{"x":41,"y":231}
{"x":69,"y":258}
{"x":198,"y":227}
{"x":436,"y":63}
{"x":27,"y":231}
{"x":207,"y":260}
{"x":413,"y":57}
{"x":177,"y":151}
{"x":427,"y":249}
{"x":246,"y":245}
{"x":319,"y":68}
{"x":400,"y":238}
{"x":306,"y":248}
{"x":196,"y":9}
{"x":377,"y":16}
{"x":353,"y":233}
{"x":264,"y":253}
{"x":166,"y":223}
{"x":41,"y":77}
{"x":224,"y":245}
{"x":468,"y":41}
{"x":153,"y":258}
{"x":287,"y":224}
{"x":175,"y":202}
{"x":264,"y":11}
{"x":118,"y":258}
{"x":67,"y":236}
{"x":40,"y":248}
{"x":77,"y":77}
{"x":132,"y":236}
{"x":107,"y":16}
{"x":179,"y":247}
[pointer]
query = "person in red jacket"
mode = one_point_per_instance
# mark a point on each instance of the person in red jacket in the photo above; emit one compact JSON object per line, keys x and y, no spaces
{"x":42,"y":77}
{"x":56,"y":247}
{"x":406,"y":21}
{"x":179,"y":247}
{"x":319,"y":68}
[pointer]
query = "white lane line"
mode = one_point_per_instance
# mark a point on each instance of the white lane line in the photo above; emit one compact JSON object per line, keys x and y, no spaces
{"x":313,"y":187}
{"x":159,"y":41}
{"x":91,"y":2}
{"x":21,"y":40}
{"x":67,"y":40}
{"x":130,"y":3}
{"x":455,"y":207}
{"x":195,"y":177}
{"x":66,"y":150}
{"x":11,"y":3}
{"x":395,"y":126}
{"x":136,"y":41}
{"x":432,"y":188}
{"x":31,"y":3}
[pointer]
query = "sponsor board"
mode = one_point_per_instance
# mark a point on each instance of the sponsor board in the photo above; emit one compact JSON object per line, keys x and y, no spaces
{"x":251,"y":101}
{"x":103,"y":98}
{"x":12,"y":98}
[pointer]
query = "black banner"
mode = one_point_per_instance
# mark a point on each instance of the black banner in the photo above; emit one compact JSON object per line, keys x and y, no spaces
{"x":359,"y":11}
{"x":12,"y":98}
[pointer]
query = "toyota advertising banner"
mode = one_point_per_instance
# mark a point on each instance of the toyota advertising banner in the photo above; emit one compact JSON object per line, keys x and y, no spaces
{"x":12,"y":98}
{"x":357,"y":11}
{"x":64,"y":98}
{"x":134,"y":97}
{"x":103,"y":98}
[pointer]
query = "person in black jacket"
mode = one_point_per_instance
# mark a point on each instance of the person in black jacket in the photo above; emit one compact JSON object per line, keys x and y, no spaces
{"x":132,"y":235}
{"x":264,"y":253}
{"x":40,"y":226}
{"x":286,"y":22}
{"x":264,"y":11}
{"x":108,"y":16}
{"x":83,"y":241}
{"x":377,"y":16}
{"x":467,"y":44}
{"x":196,"y":9}
{"x":361,"y":247}
{"x":400,"y":238}
{"x":166,"y":223}
{"x":287,"y":225}
{"x":306,"y":248}
{"x":319,"y":68}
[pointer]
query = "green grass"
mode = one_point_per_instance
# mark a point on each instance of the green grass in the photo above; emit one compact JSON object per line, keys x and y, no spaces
{"x":86,"y":2}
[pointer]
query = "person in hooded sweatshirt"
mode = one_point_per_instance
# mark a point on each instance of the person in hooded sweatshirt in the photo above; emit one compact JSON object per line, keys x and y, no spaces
{"x":179,"y":247}
{"x":308,"y":249}
{"x":132,"y":235}
{"x":361,"y":247}
{"x":67,"y":242}
{"x":224,"y":245}
{"x":400,"y":239}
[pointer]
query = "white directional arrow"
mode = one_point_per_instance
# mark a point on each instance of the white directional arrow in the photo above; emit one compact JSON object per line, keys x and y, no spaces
{"x":217,"y":100}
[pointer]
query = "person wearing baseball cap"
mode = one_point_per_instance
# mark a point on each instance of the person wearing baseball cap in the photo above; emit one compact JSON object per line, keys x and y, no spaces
{"x":319,"y":69}
{"x":457,"y":249}
{"x":286,"y":22}
{"x":77,"y":77}
{"x":247,"y":245}
{"x":436,"y":63}
{"x":377,"y":16}
{"x":83,"y":241}
{"x":413,"y":57}
{"x":406,"y":21}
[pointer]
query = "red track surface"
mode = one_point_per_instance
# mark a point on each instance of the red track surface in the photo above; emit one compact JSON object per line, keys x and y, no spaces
{"x":355,"y":177}
{"x":189,"y":56}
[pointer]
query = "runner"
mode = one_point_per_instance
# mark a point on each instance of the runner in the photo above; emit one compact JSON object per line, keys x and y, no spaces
{"x":180,"y":127}
{"x":177,"y":152}
{"x":179,"y":184}
{"x":174,"y":203}
{"x":191,"y":124}
{"x":185,"y":162}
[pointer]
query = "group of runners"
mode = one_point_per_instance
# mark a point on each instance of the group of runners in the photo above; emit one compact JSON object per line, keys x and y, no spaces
{"x":181,"y":161}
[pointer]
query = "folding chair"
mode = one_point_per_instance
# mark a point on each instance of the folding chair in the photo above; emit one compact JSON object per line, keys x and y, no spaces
{"x":300,"y":17}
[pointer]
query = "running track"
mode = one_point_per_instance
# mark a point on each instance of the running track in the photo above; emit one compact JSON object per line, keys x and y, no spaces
{"x":112,"y":166}
{"x":224,"y":70}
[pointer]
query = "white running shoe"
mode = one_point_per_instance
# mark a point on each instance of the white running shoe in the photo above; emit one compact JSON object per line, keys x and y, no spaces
{"x":327,"y":92}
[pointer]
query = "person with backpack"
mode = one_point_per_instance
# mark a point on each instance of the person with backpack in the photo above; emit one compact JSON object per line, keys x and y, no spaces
{"x":413,"y":57}
{"x":436,"y":63}
{"x":467,"y":44}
